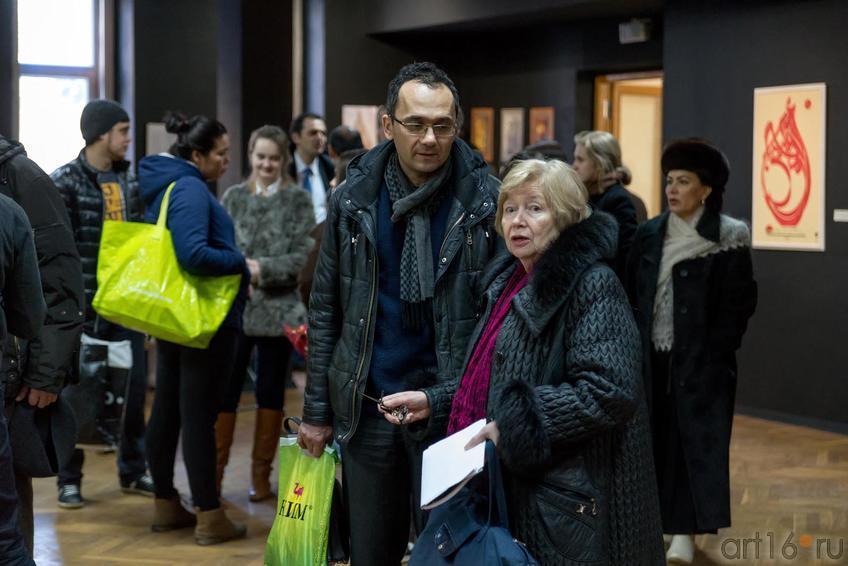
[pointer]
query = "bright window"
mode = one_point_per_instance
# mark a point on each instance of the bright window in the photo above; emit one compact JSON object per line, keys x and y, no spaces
{"x":58,"y":65}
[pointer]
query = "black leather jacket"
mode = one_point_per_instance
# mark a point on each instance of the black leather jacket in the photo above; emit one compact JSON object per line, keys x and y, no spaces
{"x":343,"y":303}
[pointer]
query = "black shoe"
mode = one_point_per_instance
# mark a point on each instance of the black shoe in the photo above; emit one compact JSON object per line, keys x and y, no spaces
{"x":70,"y":496}
{"x":141,"y":486}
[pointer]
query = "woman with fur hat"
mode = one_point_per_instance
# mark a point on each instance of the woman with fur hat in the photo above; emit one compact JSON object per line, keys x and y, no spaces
{"x":690,"y":280}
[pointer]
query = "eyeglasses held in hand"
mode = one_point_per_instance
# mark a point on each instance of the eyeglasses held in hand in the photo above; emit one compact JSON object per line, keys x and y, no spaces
{"x":399,"y":413}
{"x":419,"y":129}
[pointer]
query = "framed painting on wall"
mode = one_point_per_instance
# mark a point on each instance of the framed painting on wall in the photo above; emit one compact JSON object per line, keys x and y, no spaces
{"x":483,"y":132}
{"x":512,"y":132}
{"x":788,"y":190}
{"x":541,"y":124}
{"x":365,"y":120}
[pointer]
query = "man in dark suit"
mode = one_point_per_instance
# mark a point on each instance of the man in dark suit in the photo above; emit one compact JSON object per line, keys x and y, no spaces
{"x":310,"y":167}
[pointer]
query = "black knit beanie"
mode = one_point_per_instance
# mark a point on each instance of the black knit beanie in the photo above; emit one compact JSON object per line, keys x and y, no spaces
{"x":98,"y":117}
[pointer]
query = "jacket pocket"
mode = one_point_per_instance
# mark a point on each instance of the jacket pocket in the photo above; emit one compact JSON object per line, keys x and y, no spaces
{"x":571,"y":523}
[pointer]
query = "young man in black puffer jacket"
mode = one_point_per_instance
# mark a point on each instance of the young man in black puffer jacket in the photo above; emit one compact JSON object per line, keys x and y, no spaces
{"x":98,"y":186}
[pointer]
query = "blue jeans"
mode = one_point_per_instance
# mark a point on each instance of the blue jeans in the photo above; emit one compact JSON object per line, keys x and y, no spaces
{"x":12,"y":548}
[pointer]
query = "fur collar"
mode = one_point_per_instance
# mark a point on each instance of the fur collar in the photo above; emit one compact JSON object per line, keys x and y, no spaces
{"x":554,"y":276}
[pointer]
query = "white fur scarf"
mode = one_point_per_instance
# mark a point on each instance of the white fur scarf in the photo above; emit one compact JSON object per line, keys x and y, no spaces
{"x":683,"y":242}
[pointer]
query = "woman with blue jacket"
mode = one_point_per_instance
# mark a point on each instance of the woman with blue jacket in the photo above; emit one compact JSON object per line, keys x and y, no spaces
{"x":189,"y":381}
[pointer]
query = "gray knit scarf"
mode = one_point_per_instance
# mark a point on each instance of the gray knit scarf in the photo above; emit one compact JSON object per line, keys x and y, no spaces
{"x":415,"y":205}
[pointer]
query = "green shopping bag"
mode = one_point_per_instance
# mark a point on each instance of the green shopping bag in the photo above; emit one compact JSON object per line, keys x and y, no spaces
{"x":141,"y":286}
{"x":299,"y":534}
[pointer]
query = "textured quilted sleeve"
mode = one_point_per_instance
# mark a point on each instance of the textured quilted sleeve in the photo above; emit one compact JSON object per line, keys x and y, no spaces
{"x":598,"y":388}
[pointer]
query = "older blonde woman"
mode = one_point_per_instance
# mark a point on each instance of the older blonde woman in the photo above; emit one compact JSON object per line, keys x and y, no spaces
{"x":555,"y":367}
{"x":597,"y":159}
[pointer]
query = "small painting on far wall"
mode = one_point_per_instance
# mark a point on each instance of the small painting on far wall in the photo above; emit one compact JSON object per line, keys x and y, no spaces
{"x":541,"y":124}
{"x":365,"y":120}
{"x":483,"y":132}
{"x":512,"y":132}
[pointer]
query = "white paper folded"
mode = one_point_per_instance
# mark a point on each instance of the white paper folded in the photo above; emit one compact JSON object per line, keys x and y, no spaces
{"x":447,"y":465}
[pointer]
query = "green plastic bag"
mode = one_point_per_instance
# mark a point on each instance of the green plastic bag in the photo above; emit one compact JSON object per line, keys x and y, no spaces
{"x":301,"y":525}
{"x":140,"y":285}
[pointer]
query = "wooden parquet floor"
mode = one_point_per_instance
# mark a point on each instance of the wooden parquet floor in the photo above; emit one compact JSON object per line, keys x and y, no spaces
{"x":785,"y":479}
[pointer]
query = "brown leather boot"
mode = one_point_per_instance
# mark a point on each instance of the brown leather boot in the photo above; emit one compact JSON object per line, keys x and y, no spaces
{"x":266,"y":439}
{"x":225,"y":426}
{"x":215,"y":527}
{"x":169,"y":514}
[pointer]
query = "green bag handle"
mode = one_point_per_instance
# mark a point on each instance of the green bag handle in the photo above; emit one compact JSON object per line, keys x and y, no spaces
{"x":163,"y":213}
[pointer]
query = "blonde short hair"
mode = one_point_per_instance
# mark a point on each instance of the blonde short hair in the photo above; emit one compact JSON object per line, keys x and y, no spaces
{"x":561,"y":186}
{"x":605,"y":153}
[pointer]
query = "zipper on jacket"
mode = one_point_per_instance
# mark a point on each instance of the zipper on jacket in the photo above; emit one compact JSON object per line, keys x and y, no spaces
{"x":447,"y":235}
{"x":354,"y":240}
{"x":583,"y":504}
{"x":362,"y":354}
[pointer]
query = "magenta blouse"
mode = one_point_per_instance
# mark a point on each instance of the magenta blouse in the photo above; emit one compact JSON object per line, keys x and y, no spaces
{"x":469,"y":403}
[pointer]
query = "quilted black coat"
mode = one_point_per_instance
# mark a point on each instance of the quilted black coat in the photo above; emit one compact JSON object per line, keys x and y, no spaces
{"x":77,"y":183}
{"x":566,"y":392}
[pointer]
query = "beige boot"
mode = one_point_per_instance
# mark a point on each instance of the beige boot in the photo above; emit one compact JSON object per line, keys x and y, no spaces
{"x":682,"y":550}
{"x":215,"y":527}
{"x":225,"y":426}
{"x":169,"y":514}
{"x":266,"y":440}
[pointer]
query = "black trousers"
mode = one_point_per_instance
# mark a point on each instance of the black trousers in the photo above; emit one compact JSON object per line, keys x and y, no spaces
{"x":189,"y":386}
{"x":12,"y":548}
{"x":131,"y":461}
{"x":382,"y":486}
{"x":273,"y":354}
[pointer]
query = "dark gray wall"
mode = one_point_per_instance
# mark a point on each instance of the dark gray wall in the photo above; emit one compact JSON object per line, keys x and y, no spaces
{"x":205,"y":57}
{"x":794,"y":357}
{"x":539,"y":65}
{"x":266,"y":64}
{"x":176,"y":60}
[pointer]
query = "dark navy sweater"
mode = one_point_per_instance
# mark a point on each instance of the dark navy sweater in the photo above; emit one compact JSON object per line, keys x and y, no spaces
{"x":399,"y":352}
{"x":202,"y":232}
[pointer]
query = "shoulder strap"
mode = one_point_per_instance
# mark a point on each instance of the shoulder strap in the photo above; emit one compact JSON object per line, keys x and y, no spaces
{"x":163,"y":208}
{"x":497,"y":497}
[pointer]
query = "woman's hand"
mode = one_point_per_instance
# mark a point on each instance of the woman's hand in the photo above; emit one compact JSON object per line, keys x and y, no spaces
{"x":490,"y":432}
{"x":253,"y":267}
{"x":416,"y":403}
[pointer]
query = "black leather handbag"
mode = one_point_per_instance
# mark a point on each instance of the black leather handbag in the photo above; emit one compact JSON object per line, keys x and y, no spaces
{"x":471,"y":529}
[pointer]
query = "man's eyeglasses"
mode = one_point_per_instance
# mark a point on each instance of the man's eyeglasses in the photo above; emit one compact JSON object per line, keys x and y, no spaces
{"x":419,"y":129}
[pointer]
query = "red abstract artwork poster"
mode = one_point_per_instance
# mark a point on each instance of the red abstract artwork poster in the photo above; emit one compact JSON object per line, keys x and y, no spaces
{"x":788,"y":167}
